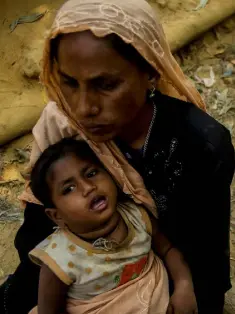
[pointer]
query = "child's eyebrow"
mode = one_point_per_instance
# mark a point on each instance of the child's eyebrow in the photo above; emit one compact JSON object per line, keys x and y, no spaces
{"x":67,"y":180}
{"x":85,"y":168}
{"x":72,"y":178}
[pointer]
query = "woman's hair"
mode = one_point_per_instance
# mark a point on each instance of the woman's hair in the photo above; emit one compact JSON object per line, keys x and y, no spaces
{"x":127,"y":51}
{"x":53,"y":153}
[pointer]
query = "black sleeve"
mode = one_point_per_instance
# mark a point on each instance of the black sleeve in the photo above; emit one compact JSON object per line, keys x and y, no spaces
{"x":216,"y":198}
{"x":35,"y":228}
{"x":20,"y":293}
{"x":209,"y":250}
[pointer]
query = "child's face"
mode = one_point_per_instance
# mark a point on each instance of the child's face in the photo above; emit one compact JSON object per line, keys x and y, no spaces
{"x":84,"y":194}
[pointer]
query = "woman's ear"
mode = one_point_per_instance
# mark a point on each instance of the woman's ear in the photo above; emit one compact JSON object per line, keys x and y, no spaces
{"x":53,"y":214}
{"x":152,"y":80}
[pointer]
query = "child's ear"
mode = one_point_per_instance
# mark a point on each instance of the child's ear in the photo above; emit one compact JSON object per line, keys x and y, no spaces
{"x":53,"y":214}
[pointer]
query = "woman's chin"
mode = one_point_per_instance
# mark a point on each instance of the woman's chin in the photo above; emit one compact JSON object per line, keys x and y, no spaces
{"x":99,"y":138}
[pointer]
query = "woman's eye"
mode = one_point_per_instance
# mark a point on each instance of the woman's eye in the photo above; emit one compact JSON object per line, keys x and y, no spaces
{"x":106,"y":85}
{"x":92,"y":173}
{"x":68,"y":189}
{"x":109,"y":86}
{"x":70,"y":82}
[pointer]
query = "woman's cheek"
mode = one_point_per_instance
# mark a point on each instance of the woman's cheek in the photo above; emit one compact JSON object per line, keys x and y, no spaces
{"x":71,"y":99}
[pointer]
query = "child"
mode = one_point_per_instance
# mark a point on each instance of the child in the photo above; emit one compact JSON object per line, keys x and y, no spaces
{"x":99,"y":260}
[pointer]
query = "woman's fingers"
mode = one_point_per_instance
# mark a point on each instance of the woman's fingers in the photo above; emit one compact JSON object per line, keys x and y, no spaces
{"x":170,"y":309}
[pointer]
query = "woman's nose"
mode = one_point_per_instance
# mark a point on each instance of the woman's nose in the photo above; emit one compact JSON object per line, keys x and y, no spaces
{"x":87,"y":106}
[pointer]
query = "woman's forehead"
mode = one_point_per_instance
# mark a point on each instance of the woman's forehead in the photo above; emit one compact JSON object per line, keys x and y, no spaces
{"x":91,"y":56}
{"x":80,"y":39}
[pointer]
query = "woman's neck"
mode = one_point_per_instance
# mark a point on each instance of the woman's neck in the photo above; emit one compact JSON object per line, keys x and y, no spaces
{"x":134,"y":134}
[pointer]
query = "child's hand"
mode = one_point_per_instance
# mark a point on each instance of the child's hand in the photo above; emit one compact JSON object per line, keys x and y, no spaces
{"x":183,"y":301}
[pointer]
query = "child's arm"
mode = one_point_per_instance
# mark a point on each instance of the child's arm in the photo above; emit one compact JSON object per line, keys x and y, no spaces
{"x":52,"y":293}
{"x":183,"y":299}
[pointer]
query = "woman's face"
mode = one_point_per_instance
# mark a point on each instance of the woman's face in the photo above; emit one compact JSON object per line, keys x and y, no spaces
{"x":104,"y":91}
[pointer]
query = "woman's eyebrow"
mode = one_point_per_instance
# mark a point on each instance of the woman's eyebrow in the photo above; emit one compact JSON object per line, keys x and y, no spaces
{"x":101,"y":75}
{"x":65,"y":75}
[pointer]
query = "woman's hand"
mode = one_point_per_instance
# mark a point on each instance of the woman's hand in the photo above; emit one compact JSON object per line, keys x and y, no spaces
{"x":183,"y":300}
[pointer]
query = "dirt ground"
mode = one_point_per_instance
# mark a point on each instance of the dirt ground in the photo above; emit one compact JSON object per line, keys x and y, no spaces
{"x":209,"y":62}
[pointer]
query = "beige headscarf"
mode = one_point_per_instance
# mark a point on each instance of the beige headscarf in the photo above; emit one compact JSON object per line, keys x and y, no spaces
{"x":135,"y":22}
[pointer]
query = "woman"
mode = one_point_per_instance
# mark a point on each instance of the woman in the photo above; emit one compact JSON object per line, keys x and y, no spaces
{"x":109,"y":70}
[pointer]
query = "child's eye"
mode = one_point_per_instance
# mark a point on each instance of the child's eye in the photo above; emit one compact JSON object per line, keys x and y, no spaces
{"x":92,"y":173}
{"x":68,"y":189}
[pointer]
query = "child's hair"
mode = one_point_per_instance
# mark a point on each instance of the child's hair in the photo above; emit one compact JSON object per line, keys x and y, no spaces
{"x":53,"y":153}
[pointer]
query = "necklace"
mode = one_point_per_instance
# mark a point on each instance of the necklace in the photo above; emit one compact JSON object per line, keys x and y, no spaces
{"x":104,"y":244}
{"x":149,"y":130}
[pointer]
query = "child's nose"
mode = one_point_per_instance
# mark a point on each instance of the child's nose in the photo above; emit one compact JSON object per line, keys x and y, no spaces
{"x":87,"y":188}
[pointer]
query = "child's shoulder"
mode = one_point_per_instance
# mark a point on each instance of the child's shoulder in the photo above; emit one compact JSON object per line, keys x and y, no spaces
{"x":54,"y":245}
{"x":56,"y":252}
{"x":136,"y":214}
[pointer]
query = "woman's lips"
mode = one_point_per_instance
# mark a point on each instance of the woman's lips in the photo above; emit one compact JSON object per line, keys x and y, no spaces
{"x":95,"y":129}
{"x":98,"y":129}
{"x":99,"y":203}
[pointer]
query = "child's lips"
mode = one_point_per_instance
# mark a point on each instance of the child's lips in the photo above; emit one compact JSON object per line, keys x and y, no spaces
{"x":99,"y":203}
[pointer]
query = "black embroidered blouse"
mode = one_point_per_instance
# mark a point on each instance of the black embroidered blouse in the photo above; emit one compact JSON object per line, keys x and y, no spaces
{"x":188,"y":167}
